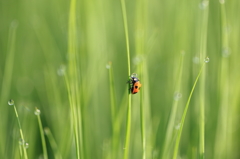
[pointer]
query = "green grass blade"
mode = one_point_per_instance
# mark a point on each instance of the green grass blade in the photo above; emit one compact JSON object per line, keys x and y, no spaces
{"x":203,"y":48}
{"x":73,"y":80}
{"x":223,"y":142}
{"x":44,"y":146}
{"x":23,"y":142}
{"x":7,"y":76}
{"x":73,"y":119}
{"x":128,"y":127}
{"x":113,"y":111}
{"x":184,"y":115}
{"x":53,"y":143}
{"x":170,"y":126}
{"x":112,"y":92}
{"x":142,"y":120}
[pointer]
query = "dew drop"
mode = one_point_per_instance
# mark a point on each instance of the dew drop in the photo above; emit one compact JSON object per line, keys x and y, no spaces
{"x":37,"y":112}
{"x":196,"y":60}
{"x":46,"y":130}
{"x":133,"y":75}
{"x":178,"y":126}
{"x":206,"y":60}
{"x":61,"y":70}
{"x":21,"y":141}
{"x":108,"y":66}
{"x":177,"y":96}
{"x":137,"y":59}
{"x":26,"y":145}
{"x":221,"y":1}
{"x":11,"y":102}
{"x":225,"y":52}
{"x":203,"y":5}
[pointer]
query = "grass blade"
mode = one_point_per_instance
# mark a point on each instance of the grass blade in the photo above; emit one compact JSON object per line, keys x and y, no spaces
{"x":37,"y":113}
{"x":7,"y":75}
{"x":223,"y":136}
{"x":170,"y":126}
{"x":128,"y":128}
{"x":203,"y":48}
{"x":184,"y":115}
{"x":53,"y":143}
{"x":23,"y":143}
{"x":113,"y":111}
{"x":72,"y":81}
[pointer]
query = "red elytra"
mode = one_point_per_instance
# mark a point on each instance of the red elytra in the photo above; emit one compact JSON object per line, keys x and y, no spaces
{"x":136,"y":87}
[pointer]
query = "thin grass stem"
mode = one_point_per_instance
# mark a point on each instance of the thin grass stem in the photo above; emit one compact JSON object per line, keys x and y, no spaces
{"x":202,"y":83}
{"x":170,"y":126}
{"x":175,"y":152}
{"x":223,"y":140}
{"x":45,"y":154}
{"x":112,"y":92}
{"x":53,"y":143}
{"x":113,"y":110}
{"x":124,"y":14}
{"x":142,"y":120}
{"x":20,"y":130}
{"x":128,"y":128}
{"x":72,"y":81}
{"x":73,"y":118}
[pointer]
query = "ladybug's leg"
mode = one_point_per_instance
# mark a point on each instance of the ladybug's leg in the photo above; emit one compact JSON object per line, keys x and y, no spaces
{"x":130,"y":82}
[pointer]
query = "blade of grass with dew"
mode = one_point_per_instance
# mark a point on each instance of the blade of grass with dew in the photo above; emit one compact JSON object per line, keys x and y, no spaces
{"x":73,"y":81}
{"x":73,"y":118}
{"x":142,"y":120}
{"x":175,"y":152}
{"x":202,"y":81}
{"x":53,"y":143}
{"x":112,"y":91}
{"x":44,"y":147}
{"x":170,"y":126}
{"x":113,"y":111}
{"x":120,"y":115}
{"x":25,"y":156}
{"x":223,"y":139}
{"x":128,"y":128}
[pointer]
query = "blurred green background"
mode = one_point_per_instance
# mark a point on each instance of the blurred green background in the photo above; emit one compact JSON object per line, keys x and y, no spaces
{"x":34,"y":53}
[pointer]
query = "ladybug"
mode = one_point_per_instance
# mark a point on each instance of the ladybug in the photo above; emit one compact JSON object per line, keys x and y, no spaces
{"x":135,"y":84}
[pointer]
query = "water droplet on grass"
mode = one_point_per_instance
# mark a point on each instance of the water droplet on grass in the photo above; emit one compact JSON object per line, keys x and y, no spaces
{"x":11,"y":102}
{"x":177,"y":126}
{"x":61,"y":70}
{"x":26,"y":145}
{"x":137,"y":59}
{"x":221,"y":1}
{"x":203,"y":5}
{"x":225,"y":52}
{"x":196,"y":60}
{"x":37,"y":112}
{"x":206,"y":60}
{"x":108,"y":66}
{"x":21,"y":141}
{"x":177,"y":96}
{"x":133,"y":75}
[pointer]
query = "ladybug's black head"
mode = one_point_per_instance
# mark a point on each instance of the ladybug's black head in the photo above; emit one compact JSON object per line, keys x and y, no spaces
{"x":135,"y":79}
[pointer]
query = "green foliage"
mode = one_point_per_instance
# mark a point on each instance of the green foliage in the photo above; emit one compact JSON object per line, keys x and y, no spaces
{"x":55,"y":56}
